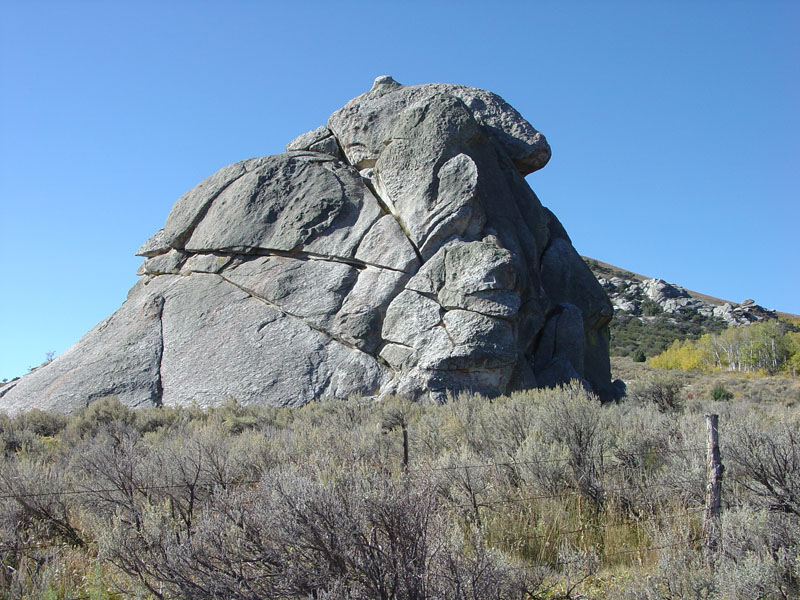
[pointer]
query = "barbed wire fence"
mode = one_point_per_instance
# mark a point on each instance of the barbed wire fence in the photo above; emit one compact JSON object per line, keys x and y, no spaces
{"x":711,"y":509}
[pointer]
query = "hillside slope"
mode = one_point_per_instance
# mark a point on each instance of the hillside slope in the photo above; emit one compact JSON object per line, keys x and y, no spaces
{"x":649,"y":313}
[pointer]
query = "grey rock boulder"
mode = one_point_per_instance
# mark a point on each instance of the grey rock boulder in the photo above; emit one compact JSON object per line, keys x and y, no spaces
{"x":397,"y":250}
{"x":568,"y":280}
{"x":216,"y":332}
{"x":119,"y":357}
{"x":660,"y":291}
{"x":387,"y":246}
{"x":377,"y":108}
{"x":289,"y":202}
{"x":561,"y":346}
{"x":320,"y":140}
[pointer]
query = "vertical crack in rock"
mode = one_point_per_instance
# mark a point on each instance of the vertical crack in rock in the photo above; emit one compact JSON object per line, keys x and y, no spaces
{"x":377,"y":217}
{"x":159,"y":385}
{"x":447,"y":333}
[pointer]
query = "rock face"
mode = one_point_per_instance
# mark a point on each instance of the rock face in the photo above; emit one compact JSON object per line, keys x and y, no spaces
{"x":396,"y":250}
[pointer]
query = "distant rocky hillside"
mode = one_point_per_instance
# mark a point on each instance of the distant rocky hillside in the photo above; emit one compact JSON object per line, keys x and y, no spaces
{"x":649,"y":314}
{"x":633,"y":293}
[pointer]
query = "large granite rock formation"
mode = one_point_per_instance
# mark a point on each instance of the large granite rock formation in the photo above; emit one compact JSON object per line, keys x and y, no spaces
{"x":396,"y":250}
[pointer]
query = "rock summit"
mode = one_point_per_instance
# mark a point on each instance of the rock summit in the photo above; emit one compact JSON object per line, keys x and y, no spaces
{"x":396,"y":250}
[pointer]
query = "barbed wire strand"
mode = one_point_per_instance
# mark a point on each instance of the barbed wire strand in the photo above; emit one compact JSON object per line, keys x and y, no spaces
{"x":495,"y":465}
{"x":634,"y":550}
{"x":554,"y":460}
{"x":146,"y":488}
{"x":567,"y":494}
{"x":654,"y":519}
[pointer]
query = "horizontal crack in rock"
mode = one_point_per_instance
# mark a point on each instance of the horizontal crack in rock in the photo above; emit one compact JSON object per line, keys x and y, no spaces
{"x":297,"y":255}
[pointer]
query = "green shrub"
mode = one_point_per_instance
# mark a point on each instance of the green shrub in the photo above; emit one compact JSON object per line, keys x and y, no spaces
{"x":662,"y":390}
{"x":761,"y":555}
{"x":765,"y":460}
{"x":157,"y":417}
{"x":42,"y":423}
{"x":720,"y":394}
{"x":650,"y":308}
{"x":101,"y":412}
{"x":629,"y":333}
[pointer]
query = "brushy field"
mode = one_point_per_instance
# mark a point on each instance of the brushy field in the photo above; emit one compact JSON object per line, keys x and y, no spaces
{"x":542,"y":494}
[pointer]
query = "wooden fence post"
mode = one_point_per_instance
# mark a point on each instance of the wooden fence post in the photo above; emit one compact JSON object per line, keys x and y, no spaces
{"x":405,"y":448}
{"x":711,"y":524}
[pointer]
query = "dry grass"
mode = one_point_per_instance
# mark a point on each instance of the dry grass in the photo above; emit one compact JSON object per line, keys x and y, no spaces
{"x":602,"y":499}
{"x":745,"y":387}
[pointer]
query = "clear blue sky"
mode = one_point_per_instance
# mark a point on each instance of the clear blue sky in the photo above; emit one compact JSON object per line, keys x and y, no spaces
{"x":674,"y":128}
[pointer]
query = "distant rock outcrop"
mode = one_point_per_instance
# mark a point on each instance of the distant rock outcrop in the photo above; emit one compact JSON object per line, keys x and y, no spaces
{"x":628,"y":295}
{"x":396,"y":250}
